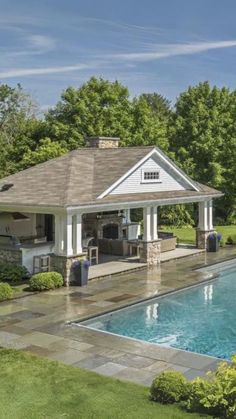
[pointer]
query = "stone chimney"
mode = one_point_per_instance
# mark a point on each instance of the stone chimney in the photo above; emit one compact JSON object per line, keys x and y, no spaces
{"x":102,"y":142}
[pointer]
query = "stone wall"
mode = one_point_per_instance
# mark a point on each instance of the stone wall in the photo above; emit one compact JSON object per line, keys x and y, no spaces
{"x":12,"y":256}
{"x":150,"y":252}
{"x":63,"y":265}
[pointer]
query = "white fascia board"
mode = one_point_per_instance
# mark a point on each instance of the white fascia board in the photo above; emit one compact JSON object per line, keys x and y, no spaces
{"x":41,"y":209}
{"x":140,"y":162}
{"x":137,"y":204}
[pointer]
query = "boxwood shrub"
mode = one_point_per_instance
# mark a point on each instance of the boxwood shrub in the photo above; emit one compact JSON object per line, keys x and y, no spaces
{"x":215,"y":395}
{"x":45,"y":281}
{"x":6,"y":291}
{"x":169,"y":387}
{"x":12,"y":273}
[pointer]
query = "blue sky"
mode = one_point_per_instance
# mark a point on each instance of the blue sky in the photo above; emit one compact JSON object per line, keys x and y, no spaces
{"x":151,"y":45}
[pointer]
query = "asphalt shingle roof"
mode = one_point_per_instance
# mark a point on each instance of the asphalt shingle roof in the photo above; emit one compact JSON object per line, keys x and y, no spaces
{"x":79,"y":177}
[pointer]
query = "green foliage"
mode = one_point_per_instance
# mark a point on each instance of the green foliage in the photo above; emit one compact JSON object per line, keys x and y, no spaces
{"x":45,"y":281}
{"x":57,"y":279}
{"x":98,"y":107}
{"x":214,"y":396}
{"x":217,"y":395}
{"x":46,"y":150}
{"x":177,"y":215}
{"x":203,"y":138}
{"x":231,"y":239}
{"x":169,"y":387}
{"x":18,"y":123}
{"x":12,"y":273}
{"x":6,"y":291}
{"x":222,"y":242}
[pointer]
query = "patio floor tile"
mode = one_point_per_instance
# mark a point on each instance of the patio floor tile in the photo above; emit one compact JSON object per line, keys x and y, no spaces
{"x":109,"y":369}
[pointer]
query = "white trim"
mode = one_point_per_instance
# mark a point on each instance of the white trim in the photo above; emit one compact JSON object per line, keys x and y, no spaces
{"x":143,"y":180}
{"x":138,"y":204}
{"x":140,"y":162}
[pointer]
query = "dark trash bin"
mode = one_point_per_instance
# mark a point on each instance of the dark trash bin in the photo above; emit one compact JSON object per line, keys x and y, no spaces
{"x":213,"y":242}
{"x":81,"y":271}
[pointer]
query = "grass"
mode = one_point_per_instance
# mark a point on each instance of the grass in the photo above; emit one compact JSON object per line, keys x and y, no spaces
{"x":187,"y":234}
{"x":37,"y":388}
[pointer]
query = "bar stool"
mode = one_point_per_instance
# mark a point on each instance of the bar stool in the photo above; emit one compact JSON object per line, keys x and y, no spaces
{"x":41,"y":263}
{"x":93,"y":254}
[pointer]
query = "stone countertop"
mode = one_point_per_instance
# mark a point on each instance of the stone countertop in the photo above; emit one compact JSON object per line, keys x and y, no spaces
{"x":24,"y":246}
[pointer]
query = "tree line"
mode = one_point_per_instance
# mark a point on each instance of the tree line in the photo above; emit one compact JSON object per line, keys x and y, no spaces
{"x":198,"y":132}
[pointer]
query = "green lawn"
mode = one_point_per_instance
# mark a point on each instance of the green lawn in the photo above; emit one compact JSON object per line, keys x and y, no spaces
{"x":36,"y":388}
{"x":187,"y":235}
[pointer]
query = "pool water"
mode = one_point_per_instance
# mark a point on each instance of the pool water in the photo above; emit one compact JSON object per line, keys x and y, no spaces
{"x":201,"y":319}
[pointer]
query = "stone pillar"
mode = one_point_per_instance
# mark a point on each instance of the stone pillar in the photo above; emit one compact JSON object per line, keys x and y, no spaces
{"x":150,"y":252}
{"x":205,"y":224}
{"x":150,"y":248}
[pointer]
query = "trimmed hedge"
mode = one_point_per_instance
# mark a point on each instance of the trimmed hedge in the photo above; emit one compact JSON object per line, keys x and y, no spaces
{"x":6,"y":291}
{"x":12,"y":273}
{"x":215,"y":396}
{"x":169,"y":387}
{"x":45,"y":281}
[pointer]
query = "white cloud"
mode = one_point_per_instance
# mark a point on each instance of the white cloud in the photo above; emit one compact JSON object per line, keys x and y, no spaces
{"x":171,"y":50}
{"x":42,"y":42}
{"x":21,"y":72}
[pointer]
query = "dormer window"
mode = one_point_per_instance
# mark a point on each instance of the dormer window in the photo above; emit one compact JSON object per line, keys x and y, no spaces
{"x":151,"y":176}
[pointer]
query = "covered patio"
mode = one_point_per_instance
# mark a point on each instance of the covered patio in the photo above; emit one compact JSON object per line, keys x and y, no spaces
{"x":59,"y":209}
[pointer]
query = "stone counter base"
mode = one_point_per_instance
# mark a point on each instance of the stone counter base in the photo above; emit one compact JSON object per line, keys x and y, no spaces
{"x":12,"y":256}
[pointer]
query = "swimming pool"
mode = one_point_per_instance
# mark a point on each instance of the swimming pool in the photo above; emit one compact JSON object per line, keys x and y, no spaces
{"x":201,"y":319}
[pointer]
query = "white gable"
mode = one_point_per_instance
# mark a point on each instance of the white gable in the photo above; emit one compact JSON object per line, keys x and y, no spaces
{"x":134,"y":183}
{"x":137,"y":179}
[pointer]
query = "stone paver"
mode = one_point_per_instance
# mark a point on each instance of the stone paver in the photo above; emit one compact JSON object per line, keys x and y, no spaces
{"x":39,"y":323}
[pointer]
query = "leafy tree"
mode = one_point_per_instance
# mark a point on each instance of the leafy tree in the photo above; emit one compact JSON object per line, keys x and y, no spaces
{"x":46,"y":150}
{"x":147,"y":127}
{"x":203,"y":138}
{"x":98,"y":107}
{"x":160,"y":105}
{"x":17,"y":122}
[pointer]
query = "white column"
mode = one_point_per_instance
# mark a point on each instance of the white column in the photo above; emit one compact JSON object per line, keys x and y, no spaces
{"x":58,"y":237}
{"x":67,"y":235}
{"x":127,"y":215}
{"x":210,"y":215}
{"x":147,"y":224}
{"x":78,"y":234}
{"x":154,"y":223}
{"x":203,"y":216}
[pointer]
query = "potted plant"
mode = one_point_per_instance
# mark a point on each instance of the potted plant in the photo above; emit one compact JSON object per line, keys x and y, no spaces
{"x":213,"y":242}
{"x":81,"y":270}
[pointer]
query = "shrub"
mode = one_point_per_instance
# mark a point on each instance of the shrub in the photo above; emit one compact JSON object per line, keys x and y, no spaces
{"x":231,"y":239}
{"x":57,"y":279}
{"x":217,"y":396}
{"x":45,"y":281}
{"x":6,"y":291}
{"x":12,"y":273}
{"x":169,"y":387}
{"x":222,"y":242}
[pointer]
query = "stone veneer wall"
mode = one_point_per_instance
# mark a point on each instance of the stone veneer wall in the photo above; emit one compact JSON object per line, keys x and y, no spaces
{"x":63,"y":264}
{"x":12,"y":256}
{"x":201,"y":238}
{"x":150,"y":252}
